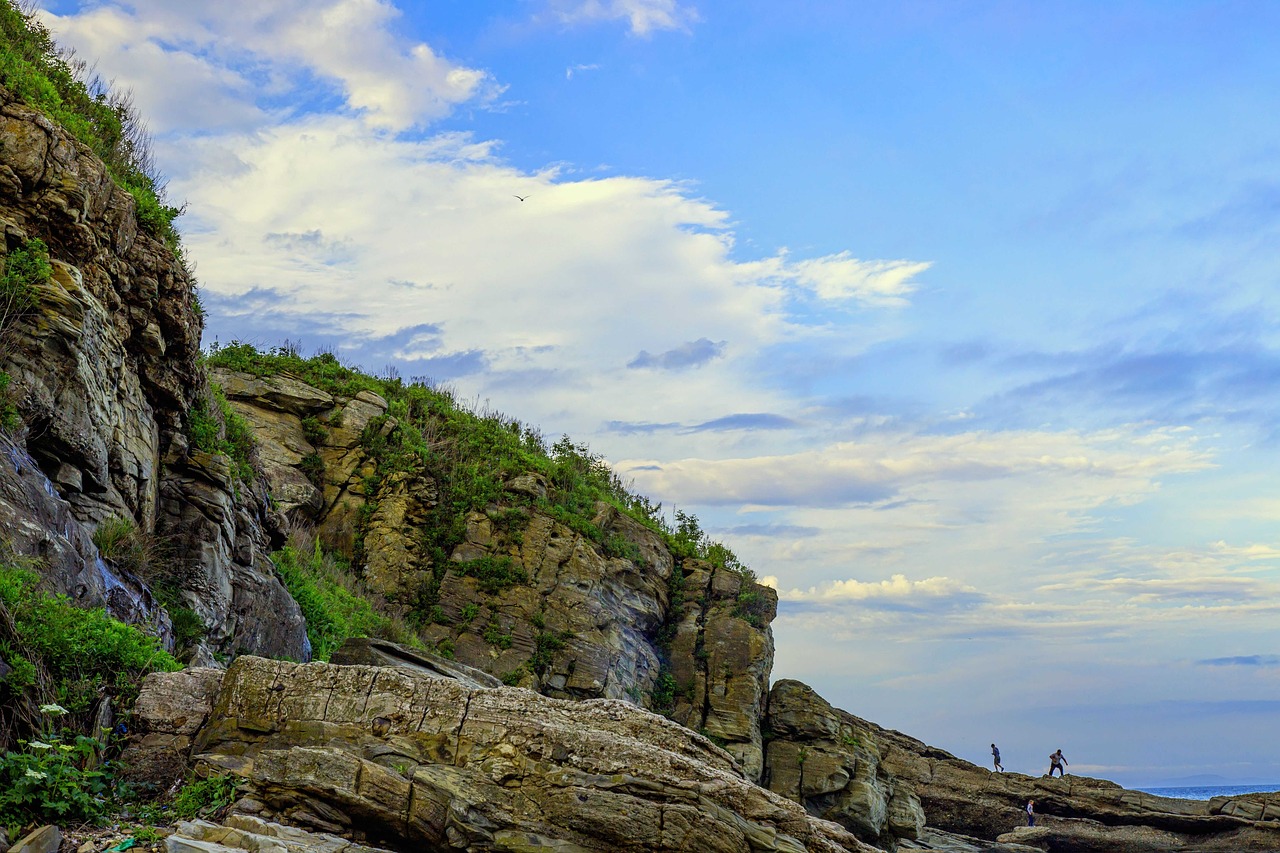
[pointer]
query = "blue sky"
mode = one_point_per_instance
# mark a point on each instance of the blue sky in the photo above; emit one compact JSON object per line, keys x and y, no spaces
{"x":956,"y":321}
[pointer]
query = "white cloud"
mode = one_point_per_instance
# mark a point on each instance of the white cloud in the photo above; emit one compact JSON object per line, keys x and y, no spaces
{"x":844,"y":277}
{"x":643,"y":16}
{"x":166,"y":50}
{"x":895,"y":588}
{"x":886,"y":465}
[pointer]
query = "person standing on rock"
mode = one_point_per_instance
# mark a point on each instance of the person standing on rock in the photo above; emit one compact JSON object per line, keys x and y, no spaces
{"x":995,"y":755}
{"x":1056,"y":762}
{"x":1031,"y":812}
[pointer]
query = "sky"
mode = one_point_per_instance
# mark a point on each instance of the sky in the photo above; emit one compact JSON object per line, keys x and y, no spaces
{"x":956,"y":321}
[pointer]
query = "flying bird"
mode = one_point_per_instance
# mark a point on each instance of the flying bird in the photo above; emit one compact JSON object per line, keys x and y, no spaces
{"x":522,"y":197}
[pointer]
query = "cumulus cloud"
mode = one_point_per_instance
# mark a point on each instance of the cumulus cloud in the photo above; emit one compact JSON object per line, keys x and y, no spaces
{"x":244,"y":56}
{"x":896,"y":588}
{"x":643,"y":16}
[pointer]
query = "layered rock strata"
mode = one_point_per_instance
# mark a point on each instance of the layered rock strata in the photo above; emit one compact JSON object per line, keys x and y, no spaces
{"x":104,"y":375}
{"x":411,"y":761}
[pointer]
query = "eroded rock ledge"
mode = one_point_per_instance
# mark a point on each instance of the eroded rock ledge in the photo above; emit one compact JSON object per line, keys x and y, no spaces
{"x":405,"y":760}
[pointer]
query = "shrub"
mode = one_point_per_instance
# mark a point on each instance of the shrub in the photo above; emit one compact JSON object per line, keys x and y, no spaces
{"x":26,"y":268}
{"x":79,"y":653}
{"x":225,"y":433}
{"x":10,"y":419}
{"x":494,"y":574}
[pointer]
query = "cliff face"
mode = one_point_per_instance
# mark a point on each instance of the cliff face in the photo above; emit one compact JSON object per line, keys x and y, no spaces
{"x":566,"y":618}
{"x":104,"y":376}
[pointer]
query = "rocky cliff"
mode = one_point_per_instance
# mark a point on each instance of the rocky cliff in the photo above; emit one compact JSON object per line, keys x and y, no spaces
{"x":104,"y":377}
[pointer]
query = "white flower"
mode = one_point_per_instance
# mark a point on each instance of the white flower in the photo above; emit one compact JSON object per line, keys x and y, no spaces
{"x":35,"y":774}
{"x":54,"y":709}
{"x":39,"y":744}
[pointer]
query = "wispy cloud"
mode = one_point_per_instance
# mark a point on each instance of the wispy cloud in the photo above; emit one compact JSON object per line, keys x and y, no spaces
{"x":643,"y":16}
{"x":887,"y":463}
{"x":1267,"y":661}
{"x":576,"y":69}
{"x":843,"y":277}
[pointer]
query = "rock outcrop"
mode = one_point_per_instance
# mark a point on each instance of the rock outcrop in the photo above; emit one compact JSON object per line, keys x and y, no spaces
{"x":104,"y":375}
{"x":575,"y":621}
{"x":831,"y":762}
{"x":886,"y":786}
{"x":409,"y":761}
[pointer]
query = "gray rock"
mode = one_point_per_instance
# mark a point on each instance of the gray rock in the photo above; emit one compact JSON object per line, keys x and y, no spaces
{"x":45,"y":839}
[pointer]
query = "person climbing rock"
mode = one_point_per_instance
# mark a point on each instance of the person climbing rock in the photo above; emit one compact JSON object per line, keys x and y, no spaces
{"x":995,"y":756}
{"x":1056,"y":762}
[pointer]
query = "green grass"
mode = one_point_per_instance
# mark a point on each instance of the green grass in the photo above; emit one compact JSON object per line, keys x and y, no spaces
{"x":223,"y":432}
{"x":334,"y":603}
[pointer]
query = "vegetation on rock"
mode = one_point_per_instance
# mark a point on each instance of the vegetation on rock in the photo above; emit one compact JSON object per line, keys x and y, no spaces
{"x":215,"y":428}
{"x":336,"y":605}
{"x":64,"y":654}
{"x":26,"y":268}
{"x":60,"y":85}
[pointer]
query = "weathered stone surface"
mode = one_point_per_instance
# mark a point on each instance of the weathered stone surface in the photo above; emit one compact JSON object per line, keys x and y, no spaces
{"x":395,"y":756}
{"x":821,"y":757}
{"x":171,"y":707}
{"x":105,"y":375}
{"x":721,"y":657}
{"x":44,"y":839}
{"x":245,"y":832}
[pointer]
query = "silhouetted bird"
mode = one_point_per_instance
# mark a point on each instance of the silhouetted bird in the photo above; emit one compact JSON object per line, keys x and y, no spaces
{"x":522,"y":197}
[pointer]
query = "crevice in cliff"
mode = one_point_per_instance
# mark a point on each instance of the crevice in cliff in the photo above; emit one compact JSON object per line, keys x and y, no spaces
{"x":457,"y":746}
{"x":703,"y":660}
{"x":372,"y":682}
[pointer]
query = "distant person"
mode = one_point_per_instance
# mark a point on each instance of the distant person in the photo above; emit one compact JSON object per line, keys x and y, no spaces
{"x":1056,"y":762}
{"x":995,"y":756}
{"x":1031,"y":812}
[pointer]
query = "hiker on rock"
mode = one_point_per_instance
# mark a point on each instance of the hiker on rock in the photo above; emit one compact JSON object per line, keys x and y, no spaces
{"x":1031,"y":812}
{"x":995,"y":755}
{"x":1056,"y":762}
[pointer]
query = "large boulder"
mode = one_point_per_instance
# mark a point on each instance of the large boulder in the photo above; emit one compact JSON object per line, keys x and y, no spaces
{"x":418,"y":762}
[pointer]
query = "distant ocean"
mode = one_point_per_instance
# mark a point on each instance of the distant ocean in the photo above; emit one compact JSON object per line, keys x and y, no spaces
{"x":1208,"y":792}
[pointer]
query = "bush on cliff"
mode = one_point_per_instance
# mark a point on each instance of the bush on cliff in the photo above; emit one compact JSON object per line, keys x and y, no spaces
{"x":215,"y":428}
{"x":26,"y":268}
{"x":64,"y":654}
{"x":61,"y":86}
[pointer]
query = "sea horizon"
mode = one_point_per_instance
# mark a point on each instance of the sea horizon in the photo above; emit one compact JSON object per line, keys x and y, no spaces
{"x":1207,"y":792}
